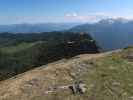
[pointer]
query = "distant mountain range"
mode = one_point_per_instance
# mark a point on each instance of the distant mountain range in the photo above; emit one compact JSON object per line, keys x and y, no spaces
{"x":33,"y":28}
{"x":109,"y":33}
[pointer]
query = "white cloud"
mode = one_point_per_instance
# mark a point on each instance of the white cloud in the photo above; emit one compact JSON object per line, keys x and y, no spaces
{"x":72,"y":15}
{"x":93,"y":17}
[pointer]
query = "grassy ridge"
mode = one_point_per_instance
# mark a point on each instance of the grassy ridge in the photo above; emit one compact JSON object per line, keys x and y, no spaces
{"x":108,"y":78}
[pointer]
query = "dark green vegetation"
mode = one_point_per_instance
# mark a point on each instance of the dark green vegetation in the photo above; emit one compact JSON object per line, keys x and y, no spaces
{"x":22,"y":52}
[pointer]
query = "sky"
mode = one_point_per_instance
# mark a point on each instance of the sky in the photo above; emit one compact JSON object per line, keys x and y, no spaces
{"x":58,"y":11}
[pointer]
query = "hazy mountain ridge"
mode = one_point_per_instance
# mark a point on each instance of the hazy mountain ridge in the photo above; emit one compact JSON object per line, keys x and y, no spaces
{"x":109,"y":33}
{"x":36,"y":28}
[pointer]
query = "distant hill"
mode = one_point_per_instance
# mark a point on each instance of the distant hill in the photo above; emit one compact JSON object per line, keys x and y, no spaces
{"x":22,"y":52}
{"x":29,"y":28}
{"x":109,"y":33}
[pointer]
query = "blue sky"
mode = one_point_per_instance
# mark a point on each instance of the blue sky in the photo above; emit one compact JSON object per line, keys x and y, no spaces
{"x":39,"y":11}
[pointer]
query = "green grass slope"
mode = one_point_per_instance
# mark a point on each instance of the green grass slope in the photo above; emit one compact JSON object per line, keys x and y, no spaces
{"x":17,"y":48}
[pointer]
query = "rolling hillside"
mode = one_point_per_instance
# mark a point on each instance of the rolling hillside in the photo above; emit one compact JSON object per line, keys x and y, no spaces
{"x":22,"y":52}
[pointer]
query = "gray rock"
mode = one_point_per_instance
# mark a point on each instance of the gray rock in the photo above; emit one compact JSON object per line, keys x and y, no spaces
{"x":78,"y":88}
